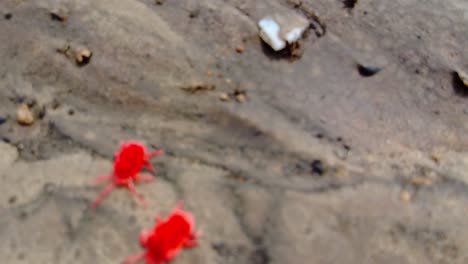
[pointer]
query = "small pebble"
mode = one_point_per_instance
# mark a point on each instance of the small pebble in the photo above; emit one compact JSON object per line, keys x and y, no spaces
{"x":59,"y":14}
{"x":24,"y":116}
{"x":368,"y":70}
{"x":405,"y":196}
{"x":240,"y":49}
{"x":224,"y":97}
{"x":240,"y":98}
{"x":421,"y":181}
{"x":8,"y":16}
{"x":436,"y":156}
{"x":83,"y":56}
{"x":463,"y":77}
{"x":279,"y":30}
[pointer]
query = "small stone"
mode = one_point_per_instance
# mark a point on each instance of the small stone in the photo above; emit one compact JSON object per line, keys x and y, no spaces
{"x":368,"y":70}
{"x":240,"y":98}
{"x":269,"y":33}
{"x":341,"y":153}
{"x":462,"y":77}
{"x":436,"y":156}
{"x":8,"y":16}
{"x":224,"y":97}
{"x":59,"y":14}
{"x":83,"y":56}
{"x":421,"y":181}
{"x":405,"y":196}
{"x":159,"y":2}
{"x":240,"y":95}
{"x":240,"y":49}
{"x":282,"y":29}
{"x":24,"y":116}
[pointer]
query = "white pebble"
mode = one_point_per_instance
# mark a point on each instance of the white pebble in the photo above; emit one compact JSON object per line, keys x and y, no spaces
{"x":270,"y":33}
{"x":282,"y":29}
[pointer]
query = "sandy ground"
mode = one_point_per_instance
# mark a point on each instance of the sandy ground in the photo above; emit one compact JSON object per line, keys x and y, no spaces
{"x":309,"y":161}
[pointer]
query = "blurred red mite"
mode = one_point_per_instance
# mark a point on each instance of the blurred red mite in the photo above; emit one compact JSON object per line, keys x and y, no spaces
{"x":129,"y":161}
{"x":167,"y":238}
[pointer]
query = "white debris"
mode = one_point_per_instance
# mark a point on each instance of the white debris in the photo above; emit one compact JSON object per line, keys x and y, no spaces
{"x":279,"y":30}
{"x":270,"y":33}
{"x":294,"y":35}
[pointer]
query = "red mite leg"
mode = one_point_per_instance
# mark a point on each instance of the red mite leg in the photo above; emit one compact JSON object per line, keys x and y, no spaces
{"x":197,"y":234}
{"x":149,"y":166}
{"x":134,"y":259}
{"x":103,"y":195}
{"x":103,"y":178}
{"x":152,"y":155}
{"x":144,"y":235}
{"x":155,"y":153}
{"x":132,"y":190}
{"x":144,"y":178}
{"x":179,"y":205}
{"x":158,"y":219}
{"x":190,"y":244}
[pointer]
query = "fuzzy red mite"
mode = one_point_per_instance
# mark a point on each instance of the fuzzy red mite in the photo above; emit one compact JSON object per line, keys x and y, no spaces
{"x":128,"y":163}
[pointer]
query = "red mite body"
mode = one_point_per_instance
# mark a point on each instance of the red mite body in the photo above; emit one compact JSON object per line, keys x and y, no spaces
{"x":129,"y":161}
{"x":167,"y":238}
